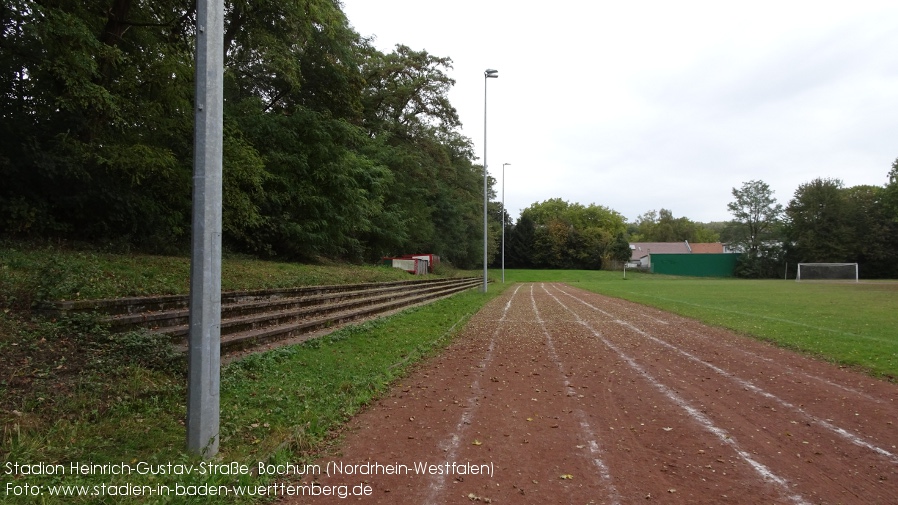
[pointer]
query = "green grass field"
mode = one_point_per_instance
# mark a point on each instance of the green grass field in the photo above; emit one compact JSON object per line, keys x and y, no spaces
{"x":853,"y":324}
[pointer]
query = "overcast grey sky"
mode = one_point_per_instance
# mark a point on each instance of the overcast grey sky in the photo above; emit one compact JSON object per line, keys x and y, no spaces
{"x":645,"y":105}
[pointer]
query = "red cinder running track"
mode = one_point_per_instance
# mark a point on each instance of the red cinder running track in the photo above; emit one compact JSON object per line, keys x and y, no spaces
{"x":553,"y":394}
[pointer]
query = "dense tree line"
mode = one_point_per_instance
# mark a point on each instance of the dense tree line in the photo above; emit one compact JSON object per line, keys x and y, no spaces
{"x":824,"y":222}
{"x":662,"y":226}
{"x":827,"y":222}
{"x":331,"y":147}
{"x":558,"y":234}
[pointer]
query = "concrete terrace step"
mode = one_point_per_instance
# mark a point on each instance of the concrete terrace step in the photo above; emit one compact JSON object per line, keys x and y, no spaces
{"x":250,"y":337}
{"x":261,"y":302}
{"x":262,"y":316}
{"x":283,"y":312}
{"x":145,"y":304}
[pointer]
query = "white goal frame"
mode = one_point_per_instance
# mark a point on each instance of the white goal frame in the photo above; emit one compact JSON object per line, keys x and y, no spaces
{"x":798,"y":275}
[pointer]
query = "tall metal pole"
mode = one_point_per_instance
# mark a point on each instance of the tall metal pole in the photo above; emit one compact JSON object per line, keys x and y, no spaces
{"x":488,"y":73}
{"x":203,"y":355}
{"x":503,"y":221}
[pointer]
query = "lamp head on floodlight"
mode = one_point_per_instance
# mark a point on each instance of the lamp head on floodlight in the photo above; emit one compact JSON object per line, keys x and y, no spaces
{"x":490,"y":73}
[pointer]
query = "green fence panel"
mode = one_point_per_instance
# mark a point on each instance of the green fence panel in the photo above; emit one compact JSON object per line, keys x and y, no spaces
{"x":696,"y":265}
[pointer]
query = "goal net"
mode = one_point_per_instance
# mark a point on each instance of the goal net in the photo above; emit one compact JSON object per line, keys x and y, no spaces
{"x":827,"y":272}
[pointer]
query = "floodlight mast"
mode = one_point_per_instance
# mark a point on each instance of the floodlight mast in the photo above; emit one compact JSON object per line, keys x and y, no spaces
{"x":204,"y":336}
{"x":487,"y":74}
{"x":503,"y":221}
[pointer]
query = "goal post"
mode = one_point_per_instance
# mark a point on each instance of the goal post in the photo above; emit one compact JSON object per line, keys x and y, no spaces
{"x":827,"y":272}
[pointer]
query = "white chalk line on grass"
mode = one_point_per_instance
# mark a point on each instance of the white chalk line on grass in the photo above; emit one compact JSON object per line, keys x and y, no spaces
{"x":851,"y":437}
{"x":771,"y":318}
{"x":694,"y":413}
{"x":438,"y":481}
{"x":789,"y":369}
{"x":585,"y":427}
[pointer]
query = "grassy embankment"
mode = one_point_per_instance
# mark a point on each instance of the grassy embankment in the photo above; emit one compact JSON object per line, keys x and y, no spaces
{"x":852,"y":324}
{"x":72,"y":392}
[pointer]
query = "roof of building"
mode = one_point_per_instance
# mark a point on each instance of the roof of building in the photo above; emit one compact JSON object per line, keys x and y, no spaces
{"x":641,"y":249}
{"x":707,"y":248}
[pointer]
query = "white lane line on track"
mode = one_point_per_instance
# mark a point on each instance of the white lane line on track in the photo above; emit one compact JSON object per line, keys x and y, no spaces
{"x":794,"y":371}
{"x":636,"y":313}
{"x":791,"y":370}
{"x":847,"y":435}
{"x":588,"y":433}
{"x":694,"y":413}
{"x":450,"y":446}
